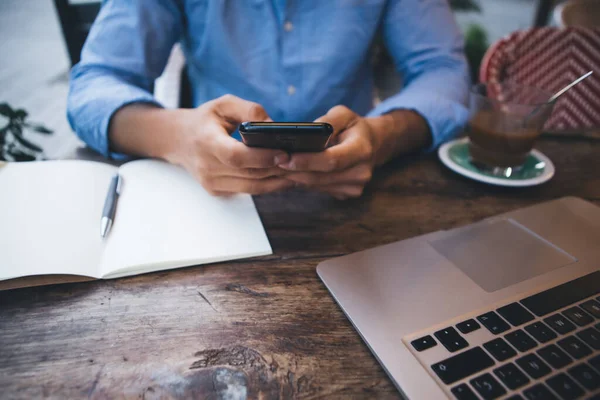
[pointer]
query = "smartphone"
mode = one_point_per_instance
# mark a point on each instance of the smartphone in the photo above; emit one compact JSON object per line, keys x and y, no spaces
{"x":293,"y":137}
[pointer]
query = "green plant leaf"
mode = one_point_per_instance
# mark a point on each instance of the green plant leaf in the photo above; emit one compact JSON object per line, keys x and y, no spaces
{"x":20,"y":114}
{"x":6,"y":110}
{"x":38,"y":128}
{"x":4,"y":124}
{"x":18,"y":135}
{"x":13,"y":145}
{"x":13,"y":151}
{"x":476,"y":44}
{"x":16,"y":154}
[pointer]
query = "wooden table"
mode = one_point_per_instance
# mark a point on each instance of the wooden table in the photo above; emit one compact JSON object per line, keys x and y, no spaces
{"x":265,"y":327}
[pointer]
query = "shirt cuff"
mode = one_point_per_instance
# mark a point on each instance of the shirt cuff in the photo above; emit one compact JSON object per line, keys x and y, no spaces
{"x":445,"y":117}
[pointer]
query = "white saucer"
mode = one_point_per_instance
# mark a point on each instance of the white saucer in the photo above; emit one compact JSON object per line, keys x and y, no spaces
{"x":537,"y":170}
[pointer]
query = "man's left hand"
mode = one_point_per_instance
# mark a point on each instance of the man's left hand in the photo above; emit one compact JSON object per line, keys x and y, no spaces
{"x":342,"y":170}
{"x":358,"y":145}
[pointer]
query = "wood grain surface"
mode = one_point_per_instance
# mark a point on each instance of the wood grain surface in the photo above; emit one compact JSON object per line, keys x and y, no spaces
{"x":262,"y":328}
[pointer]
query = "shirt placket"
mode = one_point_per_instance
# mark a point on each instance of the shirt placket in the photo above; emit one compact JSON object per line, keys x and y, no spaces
{"x":289,"y":52}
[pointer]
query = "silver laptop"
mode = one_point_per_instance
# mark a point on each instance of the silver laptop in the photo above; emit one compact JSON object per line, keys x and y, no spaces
{"x":508,"y":307}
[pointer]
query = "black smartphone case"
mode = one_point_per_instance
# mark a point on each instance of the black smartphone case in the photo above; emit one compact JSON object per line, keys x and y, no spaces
{"x":290,"y":136}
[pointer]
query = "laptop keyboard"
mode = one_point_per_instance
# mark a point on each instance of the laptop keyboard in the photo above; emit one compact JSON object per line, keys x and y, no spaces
{"x":545,"y":346}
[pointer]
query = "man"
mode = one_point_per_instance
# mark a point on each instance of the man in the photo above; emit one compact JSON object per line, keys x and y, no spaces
{"x":285,"y":60}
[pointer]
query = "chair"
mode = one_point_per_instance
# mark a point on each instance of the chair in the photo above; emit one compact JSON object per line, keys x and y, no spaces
{"x":76,"y":20}
{"x":550,"y":58}
{"x":542,"y":12}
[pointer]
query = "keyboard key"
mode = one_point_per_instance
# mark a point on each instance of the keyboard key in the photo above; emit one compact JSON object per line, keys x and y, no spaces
{"x":592,"y":307}
{"x":578,"y":316}
{"x":468,"y":326}
{"x":575,"y":347}
{"x":534,"y":367}
{"x":451,"y":339}
{"x":493,"y":322}
{"x":462,"y":365}
{"x":586,"y":376}
{"x":520,"y":340}
{"x":464,"y":392}
{"x":563,"y":295}
{"x":539,"y":392}
{"x":560,"y":324}
{"x":554,"y":356}
{"x":540,"y":332}
{"x":515,"y":313}
{"x":595,"y":362}
{"x":488,"y":387}
{"x":511,"y":376}
{"x":424,"y":343}
{"x":591,"y":337}
{"x":500,"y":349}
{"x":565,"y":387}
{"x":515,"y":397}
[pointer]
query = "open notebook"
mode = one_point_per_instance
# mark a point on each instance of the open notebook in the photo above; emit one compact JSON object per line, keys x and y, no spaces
{"x":50,"y":215}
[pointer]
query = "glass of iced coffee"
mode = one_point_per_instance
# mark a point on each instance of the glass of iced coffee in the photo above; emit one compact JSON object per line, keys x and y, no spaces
{"x":506,"y":119}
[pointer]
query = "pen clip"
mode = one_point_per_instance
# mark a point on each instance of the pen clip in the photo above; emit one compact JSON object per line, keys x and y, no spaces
{"x":119,"y":183}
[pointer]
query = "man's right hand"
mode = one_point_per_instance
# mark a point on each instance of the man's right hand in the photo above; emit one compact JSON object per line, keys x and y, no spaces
{"x":222,"y":164}
{"x":200,"y":141}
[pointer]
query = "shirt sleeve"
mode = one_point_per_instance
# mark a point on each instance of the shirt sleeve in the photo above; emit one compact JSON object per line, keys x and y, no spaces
{"x":126,"y":50}
{"x":428,"y":50}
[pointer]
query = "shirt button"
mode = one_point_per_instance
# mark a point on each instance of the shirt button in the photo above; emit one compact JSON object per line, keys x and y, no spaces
{"x":291,"y":90}
{"x":288,"y":26}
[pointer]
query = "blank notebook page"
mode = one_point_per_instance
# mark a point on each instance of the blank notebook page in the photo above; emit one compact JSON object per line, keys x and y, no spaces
{"x":165,"y":219}
{"x":50,"y":217}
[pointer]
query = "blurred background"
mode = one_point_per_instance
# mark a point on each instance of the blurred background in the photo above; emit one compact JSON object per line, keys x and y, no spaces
{"x":35,"y":61}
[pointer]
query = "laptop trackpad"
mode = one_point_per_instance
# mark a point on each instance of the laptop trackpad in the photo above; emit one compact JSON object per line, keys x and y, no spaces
{"x":500,"y":253}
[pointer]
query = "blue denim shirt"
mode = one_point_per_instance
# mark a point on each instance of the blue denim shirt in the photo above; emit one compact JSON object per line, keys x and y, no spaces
{"x":297,"y":58}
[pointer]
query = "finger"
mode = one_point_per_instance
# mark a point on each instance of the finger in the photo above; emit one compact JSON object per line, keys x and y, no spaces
{"x":340,"y":118}
{"x":235,"y":154}
{"x":235,"y":110}
{"x":251,"y":186}
{"x":222,"y":194}
{"x":358,"y":174}
{"x":251,"y":173}
{"x":341,"y":192}
{"x":352,"y":149}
